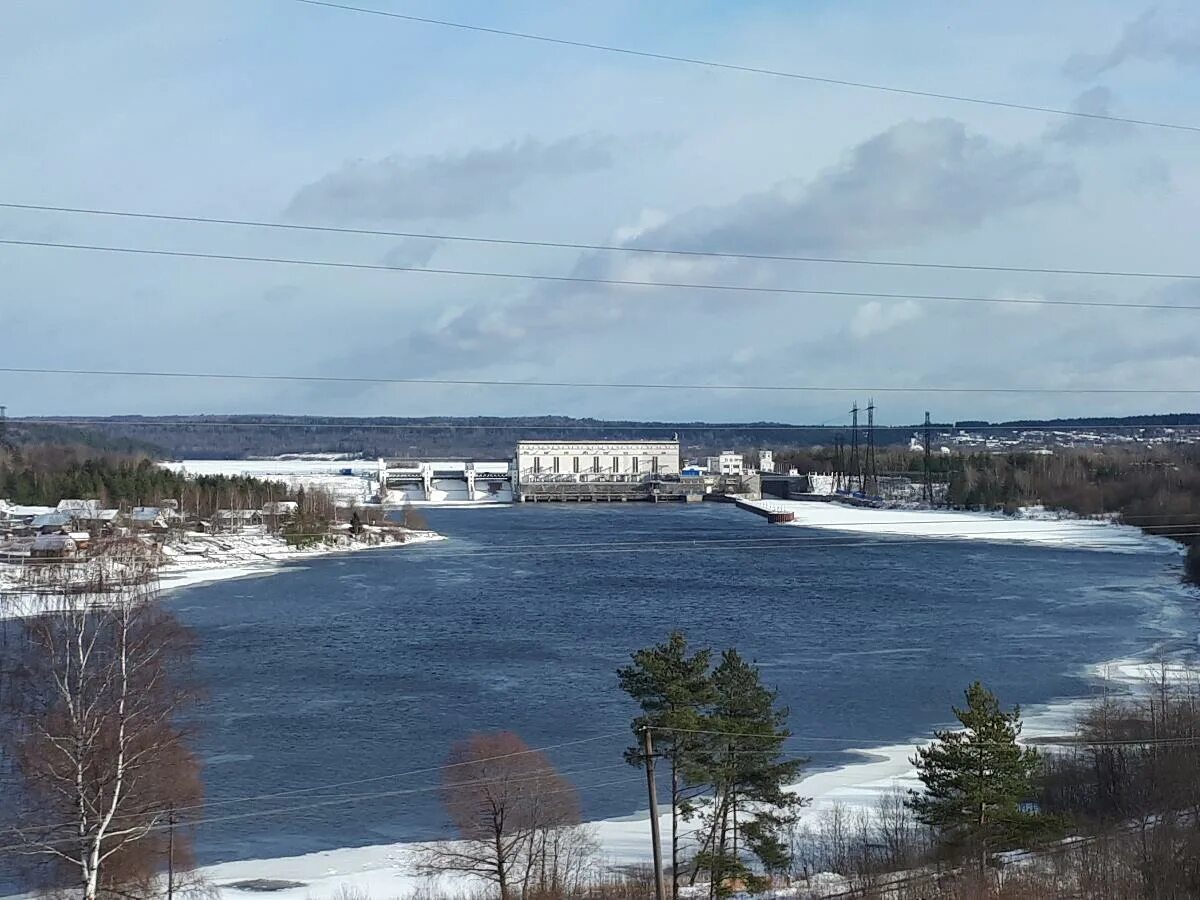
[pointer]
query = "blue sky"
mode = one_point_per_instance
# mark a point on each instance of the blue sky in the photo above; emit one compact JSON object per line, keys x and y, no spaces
{"x":280,"y":110}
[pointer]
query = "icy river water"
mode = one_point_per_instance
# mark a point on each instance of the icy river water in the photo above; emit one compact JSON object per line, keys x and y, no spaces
{"x":353,"y":668}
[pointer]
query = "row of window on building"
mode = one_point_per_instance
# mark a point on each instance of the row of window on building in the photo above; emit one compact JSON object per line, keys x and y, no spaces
{"x":596,"y":466}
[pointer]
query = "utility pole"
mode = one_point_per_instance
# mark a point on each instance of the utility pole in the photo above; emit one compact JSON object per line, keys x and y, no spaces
{"x":171,"y":854}
{"x":871,"y":482}
{"x":855,"y":461}
{"x":927,"y":487}
{"x":655,"y":836}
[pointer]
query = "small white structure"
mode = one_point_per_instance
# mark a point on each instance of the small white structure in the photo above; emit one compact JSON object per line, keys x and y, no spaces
{"x":766,"y":461}
{"x":729,"y":462}
{"x":596,"y":461}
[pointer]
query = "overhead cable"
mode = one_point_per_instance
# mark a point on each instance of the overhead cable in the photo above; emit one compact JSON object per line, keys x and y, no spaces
{"x":755,"y":70}
{"x":613,"y":385}
{"x":581,"y":279}
{"x":608,"y":248}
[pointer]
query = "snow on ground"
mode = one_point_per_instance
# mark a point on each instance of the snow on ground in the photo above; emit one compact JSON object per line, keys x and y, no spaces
{"x":1038,"y":528}
{"x":202,"y":558}
{"x":387,"y":871}
{"x":308,"y":472}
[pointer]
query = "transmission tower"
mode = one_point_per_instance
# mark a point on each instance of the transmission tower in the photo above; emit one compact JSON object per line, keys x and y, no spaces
{"x":871,"y":481}
{"x":927,"y":487}
{"x":855,"y":470}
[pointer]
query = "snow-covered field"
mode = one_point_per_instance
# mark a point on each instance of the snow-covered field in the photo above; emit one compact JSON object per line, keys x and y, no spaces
{"x":309,"y":472}
{"x":1035,"y":527}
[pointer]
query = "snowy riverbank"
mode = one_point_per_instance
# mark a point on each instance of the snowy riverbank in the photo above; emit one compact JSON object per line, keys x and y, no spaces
{"x":1035,"y":526}
{"x":203,"y":558}
{"x":386,"y":871}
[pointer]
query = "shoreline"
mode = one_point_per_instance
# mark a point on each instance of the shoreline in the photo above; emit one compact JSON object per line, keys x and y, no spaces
{"x":383,"y":871}
{"x":215,"y":558}
{"x":274,"y":560}
{"x":1035,"y":527}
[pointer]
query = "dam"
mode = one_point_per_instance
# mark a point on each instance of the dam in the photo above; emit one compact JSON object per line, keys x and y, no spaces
{"x":452,"y":482}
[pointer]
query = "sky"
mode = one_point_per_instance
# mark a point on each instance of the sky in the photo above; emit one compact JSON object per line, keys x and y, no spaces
{"x":278,"y":110}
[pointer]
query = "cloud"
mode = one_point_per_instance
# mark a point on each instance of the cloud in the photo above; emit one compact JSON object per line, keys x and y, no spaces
{"x":912,"y":181}
{"x":1150,"y":38}
{"x":875,"y":318}
{"x":1074,"y":131}
{"x":448,"y":186}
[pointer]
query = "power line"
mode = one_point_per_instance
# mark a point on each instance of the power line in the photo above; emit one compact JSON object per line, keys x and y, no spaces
{"x":581,"y":279}
{"x":305,"y":807}
{"x":1039,"y":741}
{"x":682,"y":427}
{"x":755,"y":70}
{"x":615,"y":385}
{"x":531,"y":776}
{"x":612,"y":248}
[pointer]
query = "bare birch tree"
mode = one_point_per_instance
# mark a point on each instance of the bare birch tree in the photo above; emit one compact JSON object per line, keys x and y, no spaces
{"x":103,"y":771}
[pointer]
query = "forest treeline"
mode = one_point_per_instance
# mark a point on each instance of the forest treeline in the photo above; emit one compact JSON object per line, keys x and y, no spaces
{"x":229,"y":436}
{"x":45,"y":474}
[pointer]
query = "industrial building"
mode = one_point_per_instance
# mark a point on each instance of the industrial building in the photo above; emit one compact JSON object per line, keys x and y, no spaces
{"x":601,"y":470}
{"x":729,"y":463}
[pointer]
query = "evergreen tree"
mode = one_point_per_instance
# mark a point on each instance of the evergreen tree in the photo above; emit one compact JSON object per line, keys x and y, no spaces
{"x":673,"y":688}
{"x":749,"y":773}
{"x":976,"y":780}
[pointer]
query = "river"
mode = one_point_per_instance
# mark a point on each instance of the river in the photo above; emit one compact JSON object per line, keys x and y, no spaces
{"x":351,"y":668}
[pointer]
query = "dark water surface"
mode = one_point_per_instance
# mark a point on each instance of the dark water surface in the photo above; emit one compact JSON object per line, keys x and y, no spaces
{"x":355,"y":667}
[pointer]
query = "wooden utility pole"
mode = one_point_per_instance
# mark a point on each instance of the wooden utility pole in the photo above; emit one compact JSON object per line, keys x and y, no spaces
{"x":171,"y":855}
{"x":655,"y":836}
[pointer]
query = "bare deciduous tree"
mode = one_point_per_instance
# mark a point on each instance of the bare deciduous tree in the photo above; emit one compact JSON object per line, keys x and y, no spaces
{"x":102,"y":769}
{"x":517,"y":820}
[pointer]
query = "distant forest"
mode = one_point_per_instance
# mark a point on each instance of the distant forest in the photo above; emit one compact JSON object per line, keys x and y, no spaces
{"x":41,"y":475}
{"x":218,"y":437}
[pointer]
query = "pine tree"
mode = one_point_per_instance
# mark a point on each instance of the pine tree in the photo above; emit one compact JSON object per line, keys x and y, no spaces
{"x":749,"y":774}
{"x":976,"y":779}
{"x":672,"y":687}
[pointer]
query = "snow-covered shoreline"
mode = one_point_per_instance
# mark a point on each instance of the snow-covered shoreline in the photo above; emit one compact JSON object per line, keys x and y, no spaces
{"x":1033,"y":527}
{"x":202,"y":559}
{"x":385,"y":871}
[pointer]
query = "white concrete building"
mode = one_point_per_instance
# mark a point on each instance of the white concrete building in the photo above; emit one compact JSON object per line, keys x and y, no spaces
{"x":729,"y":462}
{"x":596,"y":461}
{"x":766,"y":461}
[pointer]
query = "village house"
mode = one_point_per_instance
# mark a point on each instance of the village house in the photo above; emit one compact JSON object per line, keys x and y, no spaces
{"x":54,"y":546}
{"x":153,"y":518}
{"x":277,"y":512}
{"x":236,"y":519}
